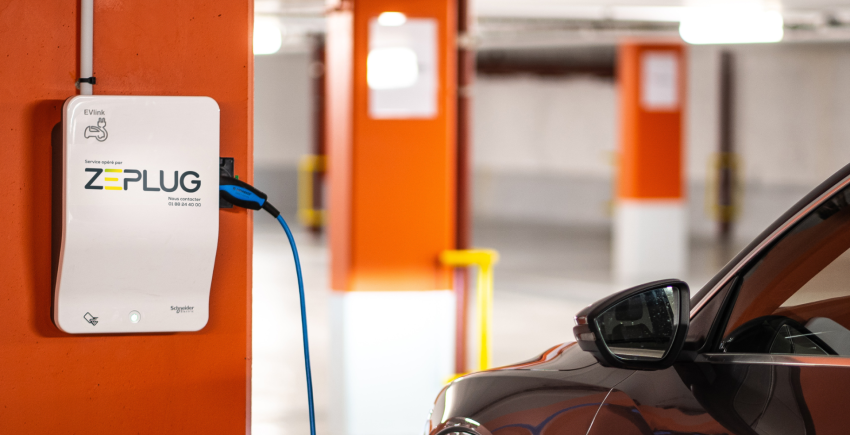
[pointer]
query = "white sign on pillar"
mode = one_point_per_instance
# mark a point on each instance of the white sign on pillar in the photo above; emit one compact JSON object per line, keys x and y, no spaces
{"x":401,"y":69}
{"x":659,"y":87}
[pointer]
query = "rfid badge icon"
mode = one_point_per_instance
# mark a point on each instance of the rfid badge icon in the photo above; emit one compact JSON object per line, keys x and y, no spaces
{"x":97,"y":131}
{"x":91,"y":319}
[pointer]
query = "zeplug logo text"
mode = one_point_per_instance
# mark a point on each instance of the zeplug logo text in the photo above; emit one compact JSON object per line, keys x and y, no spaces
{"x":179,"y":180}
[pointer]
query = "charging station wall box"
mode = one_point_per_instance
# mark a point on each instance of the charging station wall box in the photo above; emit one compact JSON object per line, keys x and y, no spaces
{"x":138,"y":179}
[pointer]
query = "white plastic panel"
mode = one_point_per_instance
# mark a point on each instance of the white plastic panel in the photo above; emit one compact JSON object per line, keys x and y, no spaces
{"x":137,"y":250}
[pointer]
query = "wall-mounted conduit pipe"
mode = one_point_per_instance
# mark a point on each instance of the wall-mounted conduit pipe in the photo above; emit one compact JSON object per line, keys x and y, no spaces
{"x":727,"y":197}
{"x":86,"y":45}
{"x":463,"y":222}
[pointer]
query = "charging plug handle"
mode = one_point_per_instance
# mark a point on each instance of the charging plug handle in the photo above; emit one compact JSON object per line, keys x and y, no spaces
{"x":244,"y":195}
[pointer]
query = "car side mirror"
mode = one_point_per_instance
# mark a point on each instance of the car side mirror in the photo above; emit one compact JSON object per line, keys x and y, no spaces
{"x":642,"y":328}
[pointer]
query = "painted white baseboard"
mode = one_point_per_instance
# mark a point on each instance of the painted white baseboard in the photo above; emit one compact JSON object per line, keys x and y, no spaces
{"x":391,"y":354}
{"x":650,"y":240}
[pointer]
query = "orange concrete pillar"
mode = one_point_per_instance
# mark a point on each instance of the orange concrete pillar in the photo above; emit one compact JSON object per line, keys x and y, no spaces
{"x":650,"y":225}
{"x":181,"y":383}
{"x":391,"y":111}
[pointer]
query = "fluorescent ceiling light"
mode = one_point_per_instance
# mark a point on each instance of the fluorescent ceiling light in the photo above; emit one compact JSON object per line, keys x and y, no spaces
{"x":392,"y":19}
{"x":730,"y":24}
{"x":392,"y":68}
{"x":267,"y":36}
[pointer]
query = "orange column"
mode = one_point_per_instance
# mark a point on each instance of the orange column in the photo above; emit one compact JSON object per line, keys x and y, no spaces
{"x":392,"y":181}
{"x":52,"y":382}
{"x":650,"y":231}
{"x":391,"y":157}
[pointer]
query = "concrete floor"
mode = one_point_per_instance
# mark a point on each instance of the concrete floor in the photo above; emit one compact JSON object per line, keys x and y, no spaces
{"x":546,"y":275}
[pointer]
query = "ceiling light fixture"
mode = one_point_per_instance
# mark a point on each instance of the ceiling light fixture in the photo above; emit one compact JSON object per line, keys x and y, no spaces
{"x":267,"y":36}
{"x":392,"y":19}
{"x":731,"y":24}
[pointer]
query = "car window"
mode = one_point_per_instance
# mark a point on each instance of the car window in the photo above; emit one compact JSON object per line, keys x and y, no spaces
{"x":831,"y":282}
{"x":796,"y":298}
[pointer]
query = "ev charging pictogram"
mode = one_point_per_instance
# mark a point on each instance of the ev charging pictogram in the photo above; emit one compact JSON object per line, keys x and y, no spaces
{"x":97,"y":131}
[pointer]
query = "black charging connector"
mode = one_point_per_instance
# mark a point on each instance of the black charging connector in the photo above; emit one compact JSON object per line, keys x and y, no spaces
{"x":225,"y":169}
{"x":242,"y":194}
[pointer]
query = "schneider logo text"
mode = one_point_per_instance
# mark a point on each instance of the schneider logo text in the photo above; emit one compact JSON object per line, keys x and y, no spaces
{"x":183,"y":309}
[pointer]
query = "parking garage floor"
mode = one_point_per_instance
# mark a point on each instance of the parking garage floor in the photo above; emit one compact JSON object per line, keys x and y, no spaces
{"x":546,"y":275}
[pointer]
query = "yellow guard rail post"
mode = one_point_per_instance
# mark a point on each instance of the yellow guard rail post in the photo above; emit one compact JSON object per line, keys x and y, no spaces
{"x":485,"y":259}
{"x":307,"y":169}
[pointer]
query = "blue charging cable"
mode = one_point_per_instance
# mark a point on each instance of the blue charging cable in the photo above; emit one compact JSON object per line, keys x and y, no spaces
{"x":244,"y":195}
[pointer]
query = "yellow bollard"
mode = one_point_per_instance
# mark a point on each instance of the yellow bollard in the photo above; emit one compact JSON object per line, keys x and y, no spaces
{"x":307,"y":168}
{"x":723,"y":162}
{"x":485,"y":259}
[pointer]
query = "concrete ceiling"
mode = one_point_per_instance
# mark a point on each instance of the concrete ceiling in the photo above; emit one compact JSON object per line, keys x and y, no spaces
{"x":581,"y":9}
{"x":515,"y":23}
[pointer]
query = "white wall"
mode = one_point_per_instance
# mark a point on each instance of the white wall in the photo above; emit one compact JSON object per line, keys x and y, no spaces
{"x":540,"y":125}
{"x":792,"y":103}
{"x":543,"y":149}
{"x":282,"y":109}
{"x":792,"y":109}
{"x":541,"y":144}
{"x":282,"y":124}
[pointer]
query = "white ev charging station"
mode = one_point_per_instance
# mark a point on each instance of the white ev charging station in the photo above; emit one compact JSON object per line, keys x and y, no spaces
{"x":139,"y":183}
